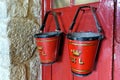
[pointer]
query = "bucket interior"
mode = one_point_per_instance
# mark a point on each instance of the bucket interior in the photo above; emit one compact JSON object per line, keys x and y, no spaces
{"x":47,"y":34}
{"x":84,"y":36}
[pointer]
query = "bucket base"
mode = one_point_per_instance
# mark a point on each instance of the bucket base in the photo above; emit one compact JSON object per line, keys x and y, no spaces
{"x":81,"y":75}
{"x":46,"y":64}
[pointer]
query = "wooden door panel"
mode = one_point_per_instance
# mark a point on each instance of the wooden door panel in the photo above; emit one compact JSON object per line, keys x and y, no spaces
{"x":61,"y":70}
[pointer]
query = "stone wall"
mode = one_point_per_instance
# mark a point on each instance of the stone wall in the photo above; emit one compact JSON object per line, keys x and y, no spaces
{"x":19,"y":21}
{"x":22,"y":26}
{"x":4,"y":43}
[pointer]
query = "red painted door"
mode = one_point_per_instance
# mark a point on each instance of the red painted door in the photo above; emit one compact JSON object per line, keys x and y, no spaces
{"x":103,"y":68}
{"x":117,"y":41}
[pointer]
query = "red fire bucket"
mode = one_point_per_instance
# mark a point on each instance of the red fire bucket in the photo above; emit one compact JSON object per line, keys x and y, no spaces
{"x":48,"y":42}
{"x":83,"y":47}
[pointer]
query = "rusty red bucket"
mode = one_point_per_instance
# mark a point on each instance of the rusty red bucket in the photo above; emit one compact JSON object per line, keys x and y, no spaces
{"x":48,"y":42}
{"x":83,"y":47}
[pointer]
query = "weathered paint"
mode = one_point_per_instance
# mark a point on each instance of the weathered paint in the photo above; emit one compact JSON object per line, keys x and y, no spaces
{"x":4,"y":42}
{"x":117,"y":41}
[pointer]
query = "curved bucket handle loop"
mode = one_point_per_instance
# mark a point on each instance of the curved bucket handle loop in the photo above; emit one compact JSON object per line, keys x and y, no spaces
{"x":45,"y":19}
{"x":93,"y":9}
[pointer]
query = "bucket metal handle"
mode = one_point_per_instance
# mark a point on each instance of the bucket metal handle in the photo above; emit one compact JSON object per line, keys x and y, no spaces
{"x":93,"y":9}
{"x":55,"y":19}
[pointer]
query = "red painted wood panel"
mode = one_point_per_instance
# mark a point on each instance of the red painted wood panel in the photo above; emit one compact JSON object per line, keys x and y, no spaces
{"x":117,"y":41}
{"x":46,"y":72}
{"x":61,"y":70}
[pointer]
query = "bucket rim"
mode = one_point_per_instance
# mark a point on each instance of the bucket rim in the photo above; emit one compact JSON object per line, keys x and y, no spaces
{"x":84,"y":36}
{"x":47,"y":34}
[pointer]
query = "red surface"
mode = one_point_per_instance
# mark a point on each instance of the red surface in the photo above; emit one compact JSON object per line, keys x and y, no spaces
{"x":117,"y":42}
{"x":82,"y":55}
{"x":48,"y":49}
{"x":103,"y":68}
